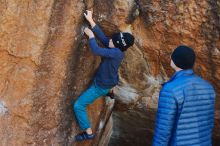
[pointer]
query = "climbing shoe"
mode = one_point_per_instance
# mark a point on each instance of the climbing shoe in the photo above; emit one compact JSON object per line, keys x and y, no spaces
{"x":111,"y":94}
{"x":84,"y":136}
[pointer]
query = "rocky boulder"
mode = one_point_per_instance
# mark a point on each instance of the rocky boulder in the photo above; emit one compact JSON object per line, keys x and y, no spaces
{"x":46,"y":64}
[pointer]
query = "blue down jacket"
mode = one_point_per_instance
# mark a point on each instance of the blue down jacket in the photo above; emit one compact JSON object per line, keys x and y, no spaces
{"x":185,"y":115}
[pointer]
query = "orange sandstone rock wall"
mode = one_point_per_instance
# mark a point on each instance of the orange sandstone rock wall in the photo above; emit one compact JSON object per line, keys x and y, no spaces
{"x":159,"y":27}
{"x":45,"y":64}
{"x":45,"y":61}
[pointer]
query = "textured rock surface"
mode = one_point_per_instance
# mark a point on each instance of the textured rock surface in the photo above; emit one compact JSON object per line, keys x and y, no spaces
{"x":159,"y":27}
{"x":45,"y":64}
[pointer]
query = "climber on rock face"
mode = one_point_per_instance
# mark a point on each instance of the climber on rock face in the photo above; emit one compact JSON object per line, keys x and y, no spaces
{"x":185,"y":114}
{"x":107,"y":74}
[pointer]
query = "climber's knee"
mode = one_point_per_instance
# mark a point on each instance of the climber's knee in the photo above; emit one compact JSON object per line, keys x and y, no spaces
{"x":77,"y":106}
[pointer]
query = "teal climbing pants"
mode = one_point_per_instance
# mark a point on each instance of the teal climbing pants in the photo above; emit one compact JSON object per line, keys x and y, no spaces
{"x":86,"y":98}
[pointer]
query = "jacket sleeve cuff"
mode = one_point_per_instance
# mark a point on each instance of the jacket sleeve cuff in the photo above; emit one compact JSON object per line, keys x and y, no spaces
{"x":96,"y":27}
{"x":92,"y":42}
{"x":91,"y":39}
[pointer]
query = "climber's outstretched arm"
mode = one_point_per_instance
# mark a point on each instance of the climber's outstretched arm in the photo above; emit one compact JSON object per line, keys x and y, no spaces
{"x":103,"y":52}
{"x":96,"y":29}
